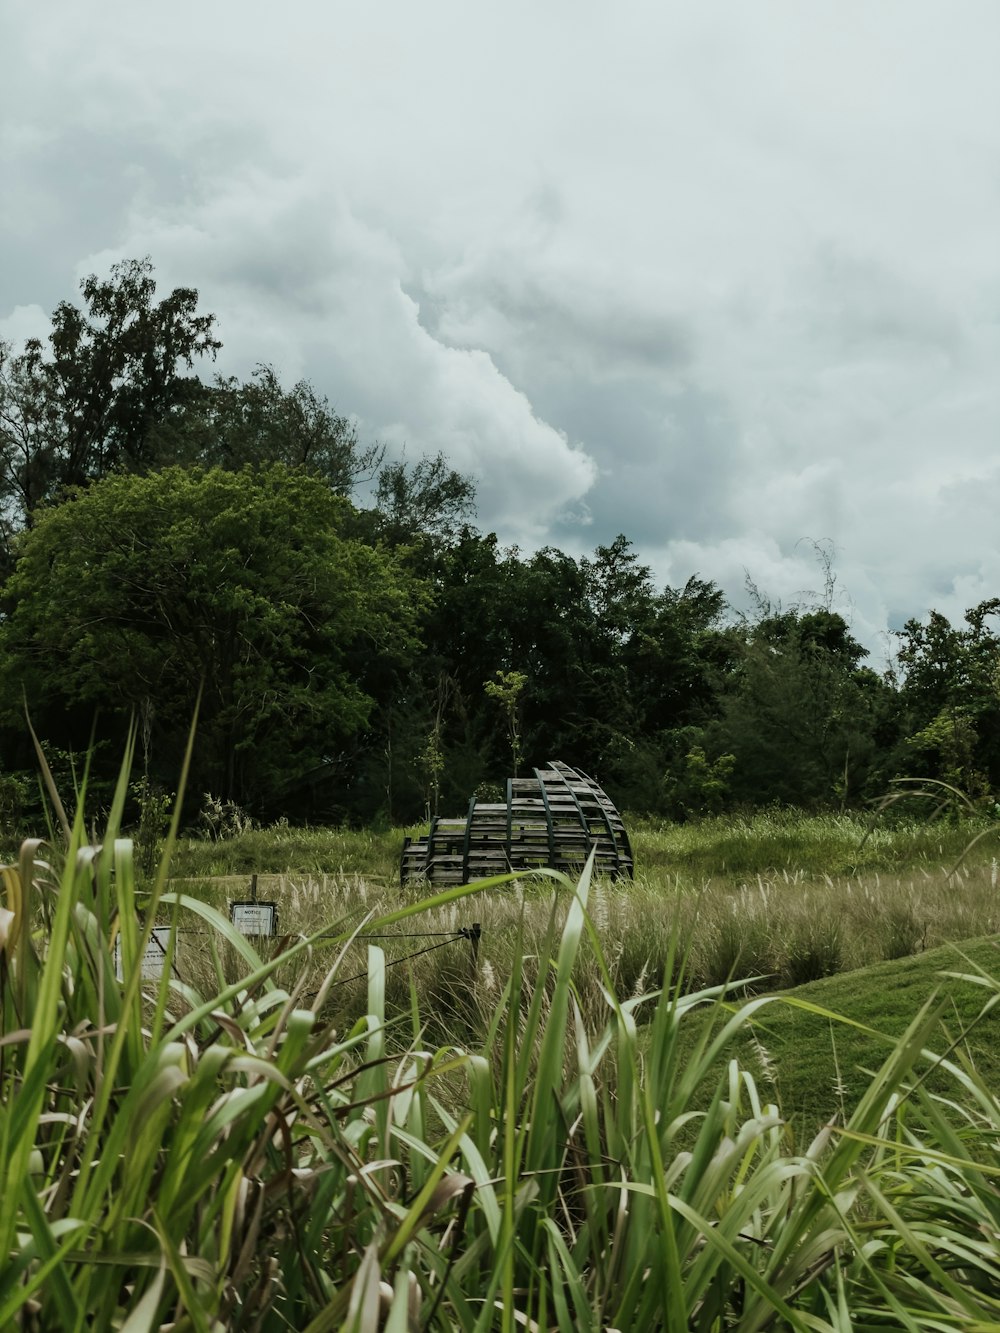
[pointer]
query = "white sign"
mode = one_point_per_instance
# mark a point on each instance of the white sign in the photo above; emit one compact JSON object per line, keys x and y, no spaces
{"x":253,"y":918}
{"x":152,"y":960}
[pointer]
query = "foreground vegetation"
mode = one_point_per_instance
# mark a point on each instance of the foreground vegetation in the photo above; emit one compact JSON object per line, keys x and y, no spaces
{"x":258,"y":1142}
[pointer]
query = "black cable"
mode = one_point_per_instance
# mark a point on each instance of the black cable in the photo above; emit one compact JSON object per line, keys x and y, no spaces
{"x":360,"y":976}
{"x":400,"y":935}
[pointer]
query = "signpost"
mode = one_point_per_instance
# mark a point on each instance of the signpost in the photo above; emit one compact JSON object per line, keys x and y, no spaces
{"x":254,"y":918}
{"x":152,"y":960}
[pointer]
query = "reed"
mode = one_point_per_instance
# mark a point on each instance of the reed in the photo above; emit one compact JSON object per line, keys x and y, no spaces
{"x":233,"y":1151}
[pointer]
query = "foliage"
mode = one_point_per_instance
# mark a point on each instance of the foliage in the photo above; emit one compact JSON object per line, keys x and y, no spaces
{"x":698,"y":785}
{"x":950,"y":699}
{"x":220,"y":820}
{"x":431,"y":757}
{"x":155,"y":805}
{"x":233,"y":1159}
{"x":327,"y":702}
{"x":258,"y":423}
{"x":506,"y":690}
{"x":799,"y":712}
{"x":422,"y":501}
{"x":14,"y":794}
{"x":612,"y":665}
{"x":145,"y":591}
{"x":86,"y":407}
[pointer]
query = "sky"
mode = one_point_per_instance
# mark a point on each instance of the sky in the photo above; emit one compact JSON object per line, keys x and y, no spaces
{"x":718,"y":275}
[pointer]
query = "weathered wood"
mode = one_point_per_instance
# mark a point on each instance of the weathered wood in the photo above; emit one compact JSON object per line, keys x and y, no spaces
{"x":554,"y":818}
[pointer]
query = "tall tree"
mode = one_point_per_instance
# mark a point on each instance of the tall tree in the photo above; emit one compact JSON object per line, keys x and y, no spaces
{"x":230,"y":424}
{"x":421,"y":501}
{"x":141,"y":591}
{"x":950,"y":698}
{"x":800,"y":713}
{"x":86,"y":405}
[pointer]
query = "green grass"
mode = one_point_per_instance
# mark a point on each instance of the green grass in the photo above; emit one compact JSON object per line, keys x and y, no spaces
{"x":284,"y":849}
{"x":244,"y":1162}
{"x":539,"y":1139}
{"x":731,"y":848}
{"x":816,"y":1068}
{"x":786,"y":931}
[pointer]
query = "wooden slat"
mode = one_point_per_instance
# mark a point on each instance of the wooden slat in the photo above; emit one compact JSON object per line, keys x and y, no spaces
{"x":555,"y":817}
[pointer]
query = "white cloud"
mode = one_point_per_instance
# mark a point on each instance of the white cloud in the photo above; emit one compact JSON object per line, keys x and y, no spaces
{"x":299,"y":281}
{"x":23,"y":322}
{"x":726,"y":276}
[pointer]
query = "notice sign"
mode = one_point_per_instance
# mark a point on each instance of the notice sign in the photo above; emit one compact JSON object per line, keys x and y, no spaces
{"x":254,"y":918}
{"x":152,"y":960}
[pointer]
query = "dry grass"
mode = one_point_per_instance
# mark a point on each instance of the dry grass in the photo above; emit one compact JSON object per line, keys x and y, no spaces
{"x":786,"y":929}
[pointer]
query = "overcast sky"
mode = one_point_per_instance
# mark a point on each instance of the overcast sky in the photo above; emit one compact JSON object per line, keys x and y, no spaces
{"x":724,"y":277}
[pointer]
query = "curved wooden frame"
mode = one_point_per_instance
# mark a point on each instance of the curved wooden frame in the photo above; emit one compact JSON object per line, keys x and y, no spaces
{"x":554,"y":818}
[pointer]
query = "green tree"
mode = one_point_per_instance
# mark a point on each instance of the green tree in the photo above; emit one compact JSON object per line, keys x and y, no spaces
{"x":422,"y":501}
{"x":506,"y":690}
{"x":141,"y":591}
{"x":950,"y":699}
{"x":232,"y":425}
{"x":86,"y":405}
{"x":799,"y":712}
{"x":613,"y":666}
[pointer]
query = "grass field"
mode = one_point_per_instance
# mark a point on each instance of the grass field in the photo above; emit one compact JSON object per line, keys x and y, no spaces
{"x":817,"y":1067}
{"x":373,"y":1125}
{"x":862,"y":918}
{"x":784,"y":897}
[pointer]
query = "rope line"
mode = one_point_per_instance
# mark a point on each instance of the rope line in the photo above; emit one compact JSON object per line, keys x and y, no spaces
{"x":462,"y":932}
{"x":360,"y":976}
{"x":400,"y":935}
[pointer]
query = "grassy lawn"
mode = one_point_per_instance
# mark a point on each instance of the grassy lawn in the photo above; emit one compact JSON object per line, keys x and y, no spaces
{"x":816,"y":1068}
{"x":726,"y":850}
{"x":783,"y":896}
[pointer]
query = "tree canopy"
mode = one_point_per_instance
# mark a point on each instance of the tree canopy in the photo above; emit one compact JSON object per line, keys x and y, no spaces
{"x":161,"y":534}
{"x":139,"y":592}
{"x":232,"y":425}
{"x":86,"y":406}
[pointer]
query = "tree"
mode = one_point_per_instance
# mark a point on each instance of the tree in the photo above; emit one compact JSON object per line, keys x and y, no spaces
{"x":140,"y":591}
{"x":506,"y":690}
{"x":800,"y":713}
{"x":87,"y":406}
{"x":426,"y":501}
{"x":950,"y":699}
{"x":613,"y":667}
{"x":233,"y":425}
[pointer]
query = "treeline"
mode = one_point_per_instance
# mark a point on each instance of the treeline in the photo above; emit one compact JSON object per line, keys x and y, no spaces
{"x":170,"y":541}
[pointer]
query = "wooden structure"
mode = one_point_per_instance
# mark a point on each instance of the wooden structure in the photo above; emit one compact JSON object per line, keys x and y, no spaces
{"x":553,"y":818}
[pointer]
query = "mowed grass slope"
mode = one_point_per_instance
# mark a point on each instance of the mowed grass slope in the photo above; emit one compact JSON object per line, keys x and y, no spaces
{"x":816,"y":1067}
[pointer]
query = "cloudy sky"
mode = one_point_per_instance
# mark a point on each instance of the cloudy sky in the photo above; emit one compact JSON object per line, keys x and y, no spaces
{"x":723,"y":276}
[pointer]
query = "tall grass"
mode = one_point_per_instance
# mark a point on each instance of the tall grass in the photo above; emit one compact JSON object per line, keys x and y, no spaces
{"x":723,"y":850}
{"x":784,"y":930}
{"x":241,"y":1154}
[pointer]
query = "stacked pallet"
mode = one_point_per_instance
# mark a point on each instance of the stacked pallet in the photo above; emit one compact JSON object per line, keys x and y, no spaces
{"x":554,"y":818}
